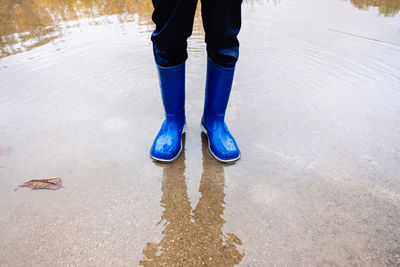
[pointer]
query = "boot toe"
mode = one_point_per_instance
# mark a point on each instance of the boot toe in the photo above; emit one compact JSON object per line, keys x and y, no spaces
{"x":166,"y":146}
{"x":224,"y":149}
{"x":166,"y":152}
{"x":225,"y":155}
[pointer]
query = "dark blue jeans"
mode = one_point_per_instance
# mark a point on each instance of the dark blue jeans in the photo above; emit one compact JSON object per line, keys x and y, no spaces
{"x":174,"y":23}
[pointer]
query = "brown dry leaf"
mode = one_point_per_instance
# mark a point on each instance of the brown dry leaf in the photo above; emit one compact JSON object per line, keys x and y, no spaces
{"x":52,"y":184}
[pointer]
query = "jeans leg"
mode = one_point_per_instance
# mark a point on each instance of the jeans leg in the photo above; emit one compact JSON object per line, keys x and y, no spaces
{"x":222,"y":21}
{"x":174,"y":23}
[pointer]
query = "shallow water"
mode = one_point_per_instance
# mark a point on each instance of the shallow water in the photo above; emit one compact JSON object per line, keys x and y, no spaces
{"x":315,"y":109}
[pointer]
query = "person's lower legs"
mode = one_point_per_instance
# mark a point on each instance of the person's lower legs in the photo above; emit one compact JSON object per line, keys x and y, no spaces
{"x":221,"y":20}
{"x":174,"y":22}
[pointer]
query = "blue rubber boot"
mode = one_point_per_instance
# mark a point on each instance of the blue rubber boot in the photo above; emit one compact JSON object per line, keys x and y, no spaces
{"x":168,"y":143}
{"x":221,"y":143}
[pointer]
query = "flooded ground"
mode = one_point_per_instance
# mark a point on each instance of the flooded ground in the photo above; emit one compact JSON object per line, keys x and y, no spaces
{"x":315,"y":109}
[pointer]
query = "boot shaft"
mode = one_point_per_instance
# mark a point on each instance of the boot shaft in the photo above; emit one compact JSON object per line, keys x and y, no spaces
{"x":172,"y":85}
{"x":218,"y":87}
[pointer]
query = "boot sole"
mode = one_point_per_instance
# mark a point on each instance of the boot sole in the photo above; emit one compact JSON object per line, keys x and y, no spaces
{"x":177,"y":155}
{"x":203,"y":129}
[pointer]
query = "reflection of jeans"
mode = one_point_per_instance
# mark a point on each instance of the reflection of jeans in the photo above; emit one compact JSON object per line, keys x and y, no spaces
{"x":193,"y":237}
{"x":174,"y":23}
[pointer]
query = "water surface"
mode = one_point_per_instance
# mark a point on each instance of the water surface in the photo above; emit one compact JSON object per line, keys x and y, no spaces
{"x":315,"y":109}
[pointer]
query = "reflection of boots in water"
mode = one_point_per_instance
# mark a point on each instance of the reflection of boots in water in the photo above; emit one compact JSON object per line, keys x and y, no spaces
{"x":216,"y":250}
{"x":174,"y":248}
{"x":189,"y":242}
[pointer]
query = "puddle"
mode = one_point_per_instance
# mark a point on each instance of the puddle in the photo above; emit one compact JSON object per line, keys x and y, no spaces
{"x":315,"y":109}
{"x":193,"y":236}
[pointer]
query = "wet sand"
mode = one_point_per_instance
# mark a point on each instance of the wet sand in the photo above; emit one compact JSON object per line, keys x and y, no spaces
{"x":315,"y":109}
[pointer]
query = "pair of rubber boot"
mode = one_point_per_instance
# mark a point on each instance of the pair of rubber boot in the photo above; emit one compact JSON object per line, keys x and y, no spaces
{"x":168,"y":142}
